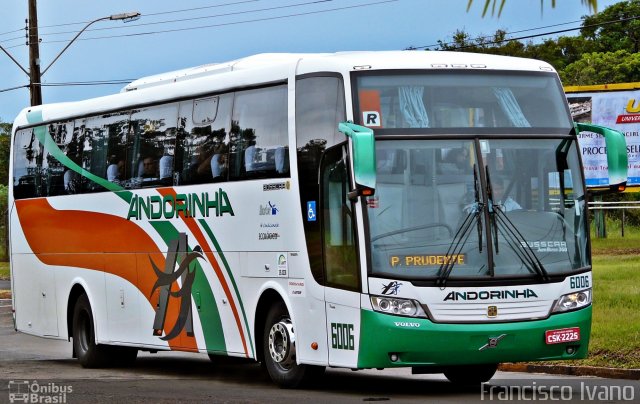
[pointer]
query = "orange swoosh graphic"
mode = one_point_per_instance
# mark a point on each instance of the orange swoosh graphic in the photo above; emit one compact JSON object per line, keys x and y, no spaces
{"x":100,"y":242}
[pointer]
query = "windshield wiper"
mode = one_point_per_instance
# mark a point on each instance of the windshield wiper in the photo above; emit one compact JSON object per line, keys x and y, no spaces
{"x":492,"y":217}
{"x":463,"y":233}
{"x":516,"y":241}
{"x":519,"y":245}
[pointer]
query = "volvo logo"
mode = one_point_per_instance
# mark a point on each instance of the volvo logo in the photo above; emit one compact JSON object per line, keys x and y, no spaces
{"x":493,"y":342}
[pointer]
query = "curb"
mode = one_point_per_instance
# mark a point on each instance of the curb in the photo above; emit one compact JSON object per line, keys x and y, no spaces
{"x":609,"y":373}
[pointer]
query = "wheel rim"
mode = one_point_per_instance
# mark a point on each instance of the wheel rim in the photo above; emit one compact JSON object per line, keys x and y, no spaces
{"x":282,"y":346}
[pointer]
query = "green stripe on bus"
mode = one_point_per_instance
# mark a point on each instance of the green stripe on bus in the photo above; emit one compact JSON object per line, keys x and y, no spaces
{"x":208,"y":311}
{"x":421,"y":342}
{"x":41,"y":133}
{"x":213,"y":239}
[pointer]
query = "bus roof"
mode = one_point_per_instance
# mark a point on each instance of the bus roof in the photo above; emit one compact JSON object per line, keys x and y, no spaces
{"x":269,"y":68}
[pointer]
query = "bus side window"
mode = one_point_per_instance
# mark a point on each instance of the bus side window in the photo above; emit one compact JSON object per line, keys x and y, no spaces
{"x":259,"y":138}
{"x":104,"y":147}
{"x":202,"y":140}
{"x":150,"y":155}
{"x":340,"y":258}
{"x":27,"y":153}
{"x":37,"y":172}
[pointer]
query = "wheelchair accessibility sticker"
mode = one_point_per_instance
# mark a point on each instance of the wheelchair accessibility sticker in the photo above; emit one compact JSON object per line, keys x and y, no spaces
{"x":311,"y":211}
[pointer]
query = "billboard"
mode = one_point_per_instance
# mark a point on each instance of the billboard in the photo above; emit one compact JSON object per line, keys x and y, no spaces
{"x":615,"y":106}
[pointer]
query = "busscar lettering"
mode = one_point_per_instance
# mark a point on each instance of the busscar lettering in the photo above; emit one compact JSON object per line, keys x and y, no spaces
{"x":491,"y":295}
{"x":181,"y":205}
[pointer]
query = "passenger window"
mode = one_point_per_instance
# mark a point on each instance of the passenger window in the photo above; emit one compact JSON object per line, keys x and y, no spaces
{"x":37,"y":171}
{"x":203,"y":144}
{"x":151,"y":155}
{"x":104,"y":140}
{"x":340,"y":258}
{"x":258,"y":138}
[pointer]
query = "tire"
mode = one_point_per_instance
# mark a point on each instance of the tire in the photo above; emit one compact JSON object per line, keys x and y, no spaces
{"x":89,"y":354}
{"x":470,"y":374}
{"x":280,"y":351}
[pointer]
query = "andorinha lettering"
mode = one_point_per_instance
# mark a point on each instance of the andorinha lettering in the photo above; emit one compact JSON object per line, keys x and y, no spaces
{"x":170,"y":206}
{"x":491,"y":295}
{"x":426,"y":260}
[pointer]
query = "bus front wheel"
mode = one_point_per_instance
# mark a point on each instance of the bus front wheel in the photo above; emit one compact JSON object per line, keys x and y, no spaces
{"x":279,"y":343}
{"x":89,"y":354}
{"x":470,"y":374}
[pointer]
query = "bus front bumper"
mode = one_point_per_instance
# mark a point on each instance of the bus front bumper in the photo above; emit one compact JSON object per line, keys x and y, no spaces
{"x":420,"y":342}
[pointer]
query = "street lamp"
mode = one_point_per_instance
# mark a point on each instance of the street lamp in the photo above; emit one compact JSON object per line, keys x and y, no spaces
{"x":34,"y":53}
{"x":126,"y":17}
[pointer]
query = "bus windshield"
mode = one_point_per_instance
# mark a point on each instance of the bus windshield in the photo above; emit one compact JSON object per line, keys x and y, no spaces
{"x":461,"y":100}
{"x":485,"y":208}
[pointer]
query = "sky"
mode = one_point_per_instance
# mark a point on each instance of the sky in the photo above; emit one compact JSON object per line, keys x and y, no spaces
{"x":197,"y":32}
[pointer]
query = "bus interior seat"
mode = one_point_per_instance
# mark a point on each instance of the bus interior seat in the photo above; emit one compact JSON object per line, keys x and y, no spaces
{"x":452,"y":198}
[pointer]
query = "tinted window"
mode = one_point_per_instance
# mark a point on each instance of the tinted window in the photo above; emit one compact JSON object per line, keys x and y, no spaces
{"x":104,"y":148}
{"x":151,"y":154}
{"x":461,"y":99}
{"x":37,"y":171}
{"x":191,"y":142}
{"x":319,"y":109}
{"x":203,"y":144}
{"x":258,"y":138}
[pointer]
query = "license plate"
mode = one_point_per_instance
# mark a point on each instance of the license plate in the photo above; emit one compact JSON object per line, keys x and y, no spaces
{"x":562,"y":336}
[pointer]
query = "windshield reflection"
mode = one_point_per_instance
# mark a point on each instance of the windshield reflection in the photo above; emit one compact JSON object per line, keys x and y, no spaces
{"x":447,"y":209}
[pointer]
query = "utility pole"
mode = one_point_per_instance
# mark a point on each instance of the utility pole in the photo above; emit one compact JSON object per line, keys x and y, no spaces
{"x":33,"y":41}
{"x":34,"y":55}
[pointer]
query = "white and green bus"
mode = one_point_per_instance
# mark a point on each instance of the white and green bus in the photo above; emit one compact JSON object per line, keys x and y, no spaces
{"x":358,"y":210}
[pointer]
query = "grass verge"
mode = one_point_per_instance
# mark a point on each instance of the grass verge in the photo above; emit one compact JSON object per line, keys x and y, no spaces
{"x":615,"y":332}
{"x":4,"y":271}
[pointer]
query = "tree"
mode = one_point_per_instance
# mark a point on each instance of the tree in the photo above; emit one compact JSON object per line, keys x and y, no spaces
{"x":593,"y":5}
{"x":603,"y":53}
{"x":5,"y":145}
{"x":603,"y":68}
{"x":610,"y":37}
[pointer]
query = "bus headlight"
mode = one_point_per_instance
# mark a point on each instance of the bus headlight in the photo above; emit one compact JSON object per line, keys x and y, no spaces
{"x":573,"y":301}
{"x":397,"y":306}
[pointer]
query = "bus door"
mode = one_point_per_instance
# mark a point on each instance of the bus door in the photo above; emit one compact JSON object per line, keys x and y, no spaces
{"x":342,"y":291}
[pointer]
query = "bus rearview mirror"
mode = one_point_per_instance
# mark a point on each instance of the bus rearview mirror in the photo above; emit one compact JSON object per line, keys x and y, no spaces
{"x":363,"y":153}
{"x":617,"y":160}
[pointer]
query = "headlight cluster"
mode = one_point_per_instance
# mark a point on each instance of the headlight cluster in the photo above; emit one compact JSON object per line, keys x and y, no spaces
{"x":573,"y":301}
{"x":397,"y":306}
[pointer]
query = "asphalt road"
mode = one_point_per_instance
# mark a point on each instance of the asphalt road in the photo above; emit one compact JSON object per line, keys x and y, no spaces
{"x":45,"y":366}
{"x":5,"y":285}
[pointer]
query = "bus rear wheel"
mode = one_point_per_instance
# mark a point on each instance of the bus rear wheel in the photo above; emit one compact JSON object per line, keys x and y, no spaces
{"x":89,"y":354}
{"x":470,"y":374}
{"x":279,"y":343}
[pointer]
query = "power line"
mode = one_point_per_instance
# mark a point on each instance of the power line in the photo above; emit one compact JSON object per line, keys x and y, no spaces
{"x":226,"y":24}
{"x":217,"y":25}
{"x":74,"y":83}
{"x":88,"y":83}
{"x":147,"y":14}
{"x":532,"y":36}
{"x":129,"y":26}
{"x":507,"y":33}
{"x":14,"y":88}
